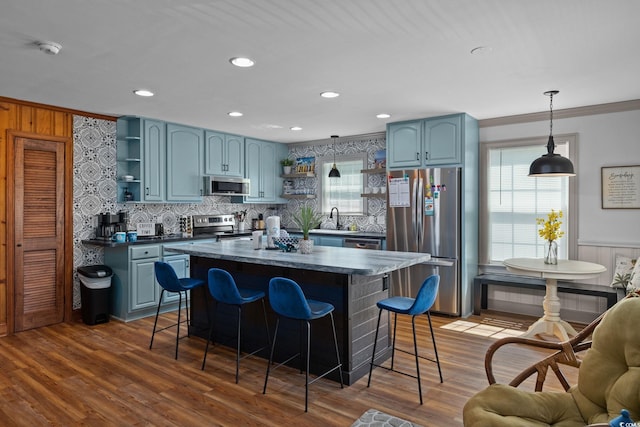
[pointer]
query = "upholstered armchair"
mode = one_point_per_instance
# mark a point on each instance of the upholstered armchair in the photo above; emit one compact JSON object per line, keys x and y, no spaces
{"x":608,"y":378}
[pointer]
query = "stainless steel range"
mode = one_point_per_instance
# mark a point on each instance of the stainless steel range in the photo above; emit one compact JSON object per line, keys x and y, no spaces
{"x":218,"y":226}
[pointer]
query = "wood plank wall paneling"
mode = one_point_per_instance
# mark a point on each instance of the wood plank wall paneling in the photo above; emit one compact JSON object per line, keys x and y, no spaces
{"x":36,"y":119}
{"x":604,"y":254}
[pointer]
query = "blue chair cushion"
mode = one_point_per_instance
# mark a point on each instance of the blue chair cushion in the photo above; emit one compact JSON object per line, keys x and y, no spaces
{"x":400,"y":305}
{"x":288,"y":300}
{"x":319,"y":308}
{"x":414,"y":306}
{"x":189,"y":283}
{"x":168,"y":279}
{"x":224,"y":289}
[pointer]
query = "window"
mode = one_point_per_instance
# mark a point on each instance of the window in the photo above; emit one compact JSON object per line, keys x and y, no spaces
{"x":344,"y":192}
{"x":512,"y":200}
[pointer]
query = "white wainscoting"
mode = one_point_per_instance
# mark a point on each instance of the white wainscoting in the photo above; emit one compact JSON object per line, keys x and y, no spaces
{"x":577,"y":308}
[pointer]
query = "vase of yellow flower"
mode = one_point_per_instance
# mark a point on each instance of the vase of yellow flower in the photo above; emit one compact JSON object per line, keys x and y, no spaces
{"x":551,"y":232}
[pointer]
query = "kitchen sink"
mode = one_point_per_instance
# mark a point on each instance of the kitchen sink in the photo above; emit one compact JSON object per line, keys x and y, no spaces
{"x":331,"y":231}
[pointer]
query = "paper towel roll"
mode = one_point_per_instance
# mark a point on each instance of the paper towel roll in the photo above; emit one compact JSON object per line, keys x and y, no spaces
{"x":273,"y":230}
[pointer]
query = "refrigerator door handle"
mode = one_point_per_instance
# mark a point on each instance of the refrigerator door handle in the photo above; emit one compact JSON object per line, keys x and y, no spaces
{"x":420,"y":211}
{"x":414,"y":209}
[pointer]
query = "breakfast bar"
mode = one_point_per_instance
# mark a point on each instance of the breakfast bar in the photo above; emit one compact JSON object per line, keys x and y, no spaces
{"x":353,"y":280}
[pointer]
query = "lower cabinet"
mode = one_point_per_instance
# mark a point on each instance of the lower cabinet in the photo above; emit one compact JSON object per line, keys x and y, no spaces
{"x":329,"y":241}
{"x":134,"y":290}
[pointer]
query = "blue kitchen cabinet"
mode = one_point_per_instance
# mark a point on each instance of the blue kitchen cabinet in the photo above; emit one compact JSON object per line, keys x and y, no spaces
{"x":404,"y":144}
{"x":262,"y":159}
{"x":135,"y":291}
{"x":129,"y":158}
{"x":153,"y":147}
{"x":224,"y":154}
{"x":429,"y":142}
{"x":330,"y":241}
{"x":185,"y":151}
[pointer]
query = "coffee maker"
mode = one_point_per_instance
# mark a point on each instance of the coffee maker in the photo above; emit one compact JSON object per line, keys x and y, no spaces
{"x":111,"y":223}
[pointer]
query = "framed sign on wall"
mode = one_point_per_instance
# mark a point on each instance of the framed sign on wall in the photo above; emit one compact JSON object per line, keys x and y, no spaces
{"x":620,"y":187}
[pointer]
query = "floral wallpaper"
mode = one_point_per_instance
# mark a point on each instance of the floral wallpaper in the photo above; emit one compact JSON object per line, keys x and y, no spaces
{"x":94,"y":191}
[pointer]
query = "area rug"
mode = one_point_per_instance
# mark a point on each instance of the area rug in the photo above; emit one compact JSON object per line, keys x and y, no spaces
{"x":375,"y":418}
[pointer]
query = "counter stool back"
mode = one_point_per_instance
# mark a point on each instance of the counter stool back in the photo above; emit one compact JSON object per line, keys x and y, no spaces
{"x":421,"y":304}
{"x":288,"y":300}
{"x":168,"y":280}
{"x":224,"y":290}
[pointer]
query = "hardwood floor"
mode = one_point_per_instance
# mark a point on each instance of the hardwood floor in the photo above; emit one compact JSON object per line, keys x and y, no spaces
{"x":105,"y":375}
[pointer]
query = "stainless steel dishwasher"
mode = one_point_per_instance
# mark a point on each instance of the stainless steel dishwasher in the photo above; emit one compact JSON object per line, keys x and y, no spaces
{"x":362,"y":243}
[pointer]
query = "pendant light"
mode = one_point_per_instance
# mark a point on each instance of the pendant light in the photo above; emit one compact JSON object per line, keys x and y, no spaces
{"x":551,"y":164}
{"x":334,"y":172}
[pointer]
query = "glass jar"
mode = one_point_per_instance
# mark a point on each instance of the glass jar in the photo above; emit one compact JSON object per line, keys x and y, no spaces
{"x":551,"y":252}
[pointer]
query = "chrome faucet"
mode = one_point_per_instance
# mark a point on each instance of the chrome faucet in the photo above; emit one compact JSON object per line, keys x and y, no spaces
{"x":338,"y":225}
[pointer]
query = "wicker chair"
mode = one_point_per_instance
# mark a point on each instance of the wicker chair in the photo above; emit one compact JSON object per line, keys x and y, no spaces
{"x":608,"y":378}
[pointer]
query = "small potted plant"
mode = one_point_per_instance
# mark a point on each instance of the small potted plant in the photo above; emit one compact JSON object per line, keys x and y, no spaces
{"x":306,"y":219}
{"x":286,"y":165}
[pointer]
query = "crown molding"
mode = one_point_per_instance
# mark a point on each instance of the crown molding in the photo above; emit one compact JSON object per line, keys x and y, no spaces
{"x":589,"y":110}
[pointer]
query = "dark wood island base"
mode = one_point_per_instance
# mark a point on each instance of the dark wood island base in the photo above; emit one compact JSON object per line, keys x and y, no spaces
{"x":353,"y":296}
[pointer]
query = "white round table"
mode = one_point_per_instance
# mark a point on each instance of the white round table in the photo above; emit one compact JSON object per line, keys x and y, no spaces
{"x":551,"y":323}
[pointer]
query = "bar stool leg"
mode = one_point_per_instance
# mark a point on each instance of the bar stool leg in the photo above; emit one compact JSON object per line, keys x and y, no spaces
{"x":273,"y":346}
{"x":306,"y":372}
{"x":435,"y":349}
{"x":238,"y":344}
{"x":178,"y":325}
{"x":335,"y":341}
{"x":156,"y":321}
{"x":212,"y":323}
{"x":375,"y":343}
{"x":415,"y":349}
{"x":393,"y":343}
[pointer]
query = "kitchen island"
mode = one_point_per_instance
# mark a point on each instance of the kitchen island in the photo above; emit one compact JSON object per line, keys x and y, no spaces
{"x":353,"y":280}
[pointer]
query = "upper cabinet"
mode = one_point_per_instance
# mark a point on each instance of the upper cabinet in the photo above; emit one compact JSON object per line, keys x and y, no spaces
{"x":429,"y":142}
{"x":158,"y":162}
{"x":185,"y":151}
{"x":262,"y":165}
{"x":224,"y":154}
{"x":154,"y":144}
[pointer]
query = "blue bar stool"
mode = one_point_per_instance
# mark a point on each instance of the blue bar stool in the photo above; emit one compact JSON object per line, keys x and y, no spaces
{"x":168,"y":279}
{"x":224,"y":290}
{"x":288,"y":300}
{"x":414,"y":307}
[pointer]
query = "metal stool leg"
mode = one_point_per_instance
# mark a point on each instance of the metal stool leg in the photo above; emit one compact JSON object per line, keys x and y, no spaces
{"x":178,"y":325}
{"x":306,"y":372}
{"x":273,"y":346}
{"x":238,"y":344}
{"x":335,"y":341}
{"x":415,"y":350}
{"x":435,"y":349}
{"x":155,"y":323}
{"x":375,"y":343}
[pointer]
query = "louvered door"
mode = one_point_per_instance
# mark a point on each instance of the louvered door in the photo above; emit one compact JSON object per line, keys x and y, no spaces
{"x":39,"y":232}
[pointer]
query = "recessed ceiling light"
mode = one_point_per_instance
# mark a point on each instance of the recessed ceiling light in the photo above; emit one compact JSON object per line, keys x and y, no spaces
{"x":329,"y":94}
{"x":143,"y":92}
{"x":481,"y":50}
{"x":50,"y":48}
{"x":242,"y":62}
{"x":383,"y":116}
{"x":295,"y":128}
{"x":235,"y":114}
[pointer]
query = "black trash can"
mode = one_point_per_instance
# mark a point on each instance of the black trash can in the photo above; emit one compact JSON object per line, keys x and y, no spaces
{"x":95,"y":293}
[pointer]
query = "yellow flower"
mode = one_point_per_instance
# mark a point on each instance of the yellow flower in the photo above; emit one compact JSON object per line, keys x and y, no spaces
{"x":551,"y":227}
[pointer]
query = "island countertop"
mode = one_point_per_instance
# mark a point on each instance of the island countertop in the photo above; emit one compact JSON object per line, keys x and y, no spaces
{"x":324,"y":258}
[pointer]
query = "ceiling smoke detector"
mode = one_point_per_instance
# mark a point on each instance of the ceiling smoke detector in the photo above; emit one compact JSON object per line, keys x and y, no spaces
{"x":51,"y":48}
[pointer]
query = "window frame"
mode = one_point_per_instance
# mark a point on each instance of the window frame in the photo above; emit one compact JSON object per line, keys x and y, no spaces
{"x":321,"y":161}
{"x":484,"y":258}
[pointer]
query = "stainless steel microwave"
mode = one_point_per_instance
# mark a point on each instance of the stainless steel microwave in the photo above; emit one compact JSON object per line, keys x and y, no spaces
{"x":226,"y":186}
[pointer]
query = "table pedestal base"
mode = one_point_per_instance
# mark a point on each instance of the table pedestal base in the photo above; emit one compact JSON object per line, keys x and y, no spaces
{"x":551,"y":323}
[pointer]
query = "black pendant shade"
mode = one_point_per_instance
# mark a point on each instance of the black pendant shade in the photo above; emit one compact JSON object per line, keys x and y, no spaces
{"x":551,"y":164}
{"x":334,"y":172}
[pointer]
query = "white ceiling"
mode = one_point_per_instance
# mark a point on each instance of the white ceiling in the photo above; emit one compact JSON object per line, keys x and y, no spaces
{"x":410,"y":58}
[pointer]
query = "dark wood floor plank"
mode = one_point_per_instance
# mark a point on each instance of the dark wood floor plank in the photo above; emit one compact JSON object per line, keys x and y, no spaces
{"x":105,"y":375}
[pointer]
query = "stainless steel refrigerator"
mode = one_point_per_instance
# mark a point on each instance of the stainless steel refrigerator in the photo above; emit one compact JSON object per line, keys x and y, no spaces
{"x":431,"y":223}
